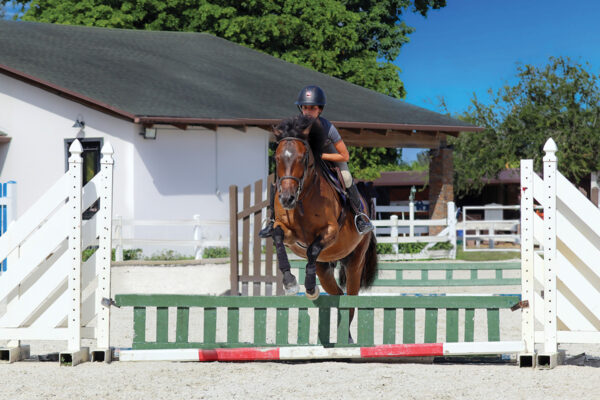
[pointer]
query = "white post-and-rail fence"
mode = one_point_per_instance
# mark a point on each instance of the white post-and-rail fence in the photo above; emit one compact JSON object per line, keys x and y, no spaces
{"x":198,"y":242}
{"x":8,"y":211}
{"x":392,"y":225}
{"x":492,"y":227}
{"x":560,"y":270}
{"x":48,"y":293}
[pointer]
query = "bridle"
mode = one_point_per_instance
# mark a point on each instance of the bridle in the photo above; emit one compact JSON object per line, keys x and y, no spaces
{"x":306,"y":166}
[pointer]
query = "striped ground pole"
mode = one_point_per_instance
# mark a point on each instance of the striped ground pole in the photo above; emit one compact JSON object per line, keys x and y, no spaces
{"x":323,"y":353}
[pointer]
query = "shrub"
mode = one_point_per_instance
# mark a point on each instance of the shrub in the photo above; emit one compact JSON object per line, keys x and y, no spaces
{"x":168,"y":255}
{"x":215,"y":252}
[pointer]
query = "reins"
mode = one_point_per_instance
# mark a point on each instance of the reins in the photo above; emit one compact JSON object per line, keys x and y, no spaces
{"x":306,"y":166}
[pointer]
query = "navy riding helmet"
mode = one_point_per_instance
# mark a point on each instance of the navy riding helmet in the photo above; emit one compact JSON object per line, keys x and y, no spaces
{"x":311,"y":96}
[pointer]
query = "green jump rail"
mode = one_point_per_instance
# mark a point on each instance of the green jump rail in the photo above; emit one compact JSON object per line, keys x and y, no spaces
{"x":425,"y":268}
{"x":365,"y":306}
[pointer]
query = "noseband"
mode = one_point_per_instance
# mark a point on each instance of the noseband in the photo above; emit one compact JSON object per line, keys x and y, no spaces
{"x":304,"y":161}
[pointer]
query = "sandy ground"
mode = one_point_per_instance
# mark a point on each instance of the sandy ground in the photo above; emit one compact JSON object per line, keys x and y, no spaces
{"x":412,"y":379}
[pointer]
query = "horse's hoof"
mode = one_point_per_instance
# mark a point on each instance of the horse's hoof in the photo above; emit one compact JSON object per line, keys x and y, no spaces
{"x":291,"y":288}
{"x":314,"y":295}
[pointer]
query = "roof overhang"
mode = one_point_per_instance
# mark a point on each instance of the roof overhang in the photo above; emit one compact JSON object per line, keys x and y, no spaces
{"x":362,"y":134}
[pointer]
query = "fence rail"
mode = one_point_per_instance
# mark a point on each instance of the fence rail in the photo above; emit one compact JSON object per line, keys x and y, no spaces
{"x":473,"y":230}
{"x":286,"y":307}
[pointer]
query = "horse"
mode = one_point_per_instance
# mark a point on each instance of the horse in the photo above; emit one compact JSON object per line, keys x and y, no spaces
{"x":311,"y":220}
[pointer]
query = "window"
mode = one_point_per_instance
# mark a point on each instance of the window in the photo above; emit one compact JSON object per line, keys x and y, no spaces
{"x":91,"y":165}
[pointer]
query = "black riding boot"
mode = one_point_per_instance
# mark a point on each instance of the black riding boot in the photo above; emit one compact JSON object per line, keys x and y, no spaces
{"x":361,"y":220}
{"x":267,"y":231}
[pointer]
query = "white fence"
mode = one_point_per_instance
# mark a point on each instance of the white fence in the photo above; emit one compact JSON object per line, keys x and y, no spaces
{"x":48,"y":293}
{"x":8,"y":211}
{"x":560,"y":282}
{"x":389,"y":231}
{"x":200,"y":235}
{"x":492,"y":231}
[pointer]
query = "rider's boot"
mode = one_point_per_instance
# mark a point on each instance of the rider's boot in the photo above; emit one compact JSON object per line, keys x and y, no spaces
{"x":267,"y":231}
{"x":361,"y":220}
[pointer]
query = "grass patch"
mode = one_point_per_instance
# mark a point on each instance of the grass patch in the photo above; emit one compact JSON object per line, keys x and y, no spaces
{"x":486,"y":255}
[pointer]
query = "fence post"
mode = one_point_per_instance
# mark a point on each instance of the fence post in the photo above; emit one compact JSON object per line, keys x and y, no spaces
{"x":527,"y":256}
{"x":119,"y":238}
{"x":233,"y":240}
{"x":8,"y":213}
{"x":550,"y":264}
{"x":105,"y":247}
{"x":452,"y":228}
{"x":198,"y":238}
{"x":411,"y":216}
{"x":394,"y":232}
{"x":74,"y":285}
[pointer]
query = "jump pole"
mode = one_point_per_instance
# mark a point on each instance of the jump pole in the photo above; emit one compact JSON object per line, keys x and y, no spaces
{"x":292,"y":353}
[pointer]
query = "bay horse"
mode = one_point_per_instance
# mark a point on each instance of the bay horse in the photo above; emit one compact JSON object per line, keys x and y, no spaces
{"x":310,"y":218}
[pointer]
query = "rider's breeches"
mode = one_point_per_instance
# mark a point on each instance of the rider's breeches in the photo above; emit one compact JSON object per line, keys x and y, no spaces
{"x":345,"y":173}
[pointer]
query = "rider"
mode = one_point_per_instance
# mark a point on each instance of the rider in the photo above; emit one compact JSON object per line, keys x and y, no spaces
{"x":311,"y":101}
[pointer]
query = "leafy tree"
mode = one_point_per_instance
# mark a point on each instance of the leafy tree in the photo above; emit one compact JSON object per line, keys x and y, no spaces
{"x":560,"y":100}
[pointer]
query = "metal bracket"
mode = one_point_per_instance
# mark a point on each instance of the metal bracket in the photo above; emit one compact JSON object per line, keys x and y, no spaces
{"x":520,"y":304}
{"x":108,"y":302}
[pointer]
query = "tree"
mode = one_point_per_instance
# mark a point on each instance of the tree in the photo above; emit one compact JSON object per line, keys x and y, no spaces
{"x":560,"y":100}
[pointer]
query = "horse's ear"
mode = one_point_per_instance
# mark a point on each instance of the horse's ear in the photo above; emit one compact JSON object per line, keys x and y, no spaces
{"x":306,"y":130}
{"x":276,"y":132}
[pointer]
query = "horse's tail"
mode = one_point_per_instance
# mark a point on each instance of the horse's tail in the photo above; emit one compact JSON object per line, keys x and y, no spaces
{"x":369,"y":272}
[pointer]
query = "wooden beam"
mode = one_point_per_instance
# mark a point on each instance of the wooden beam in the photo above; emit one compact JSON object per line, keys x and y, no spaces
{"x":212,"y":127}
{"x":183,"y":127}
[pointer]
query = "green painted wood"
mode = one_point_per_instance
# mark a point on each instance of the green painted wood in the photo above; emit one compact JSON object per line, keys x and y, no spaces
{"x":139,"y":325}
{"x":366,"y":324}
{"x":431,"y":320}
{"x":282,"y":319}
{"x":233,"y":325}
{"x":452,"y":325}
{"x":343,"y":304}
{"x":303,"y":326}
{"x":449,"y":267}
{"x":260,"y":326}
{"x":322,"y":301}
{"x":469,"y":325}
{"x":493,"y":324}
{"x":162,"y":324}
{"x":183,"y":322}
{"x":408,"y":326}
{"x":324,"y":326}
{"x":389,"y":326}
{"x":210,"y":325}
{"x":343,"y":327}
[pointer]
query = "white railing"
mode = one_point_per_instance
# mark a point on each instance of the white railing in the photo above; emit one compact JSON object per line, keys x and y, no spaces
{"x":478,"y":231}
{"x":198,"y":238}
{"x":396,"y":231}
{"x":8,"y":211}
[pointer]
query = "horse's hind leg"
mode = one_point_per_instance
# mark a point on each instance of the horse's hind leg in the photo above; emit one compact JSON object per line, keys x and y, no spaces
{"x":290,"y":285}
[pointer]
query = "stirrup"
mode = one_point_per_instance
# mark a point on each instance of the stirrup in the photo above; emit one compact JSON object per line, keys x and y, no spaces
{"x":369,"y":225}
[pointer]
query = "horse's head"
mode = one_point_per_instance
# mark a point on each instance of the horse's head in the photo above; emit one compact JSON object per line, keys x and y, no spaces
{"x":292,"y":158}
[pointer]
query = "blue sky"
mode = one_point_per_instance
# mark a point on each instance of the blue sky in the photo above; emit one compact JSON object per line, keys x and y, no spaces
{"x":470,"y":46}
{"x":473,"y":45}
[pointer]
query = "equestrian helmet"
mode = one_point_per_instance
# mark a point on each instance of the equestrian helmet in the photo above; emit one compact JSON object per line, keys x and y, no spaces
{"x":311,"y":96}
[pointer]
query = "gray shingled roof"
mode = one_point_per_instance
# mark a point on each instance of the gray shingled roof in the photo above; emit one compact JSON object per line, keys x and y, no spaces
{"x":187,"y":75}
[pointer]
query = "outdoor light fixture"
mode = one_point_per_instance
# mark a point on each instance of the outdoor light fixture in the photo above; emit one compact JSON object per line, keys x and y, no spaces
{"x":79,"y":123}
{"x":148,"y":133}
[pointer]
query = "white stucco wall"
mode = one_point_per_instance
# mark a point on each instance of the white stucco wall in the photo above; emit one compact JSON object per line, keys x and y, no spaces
{"x":178,"y":175}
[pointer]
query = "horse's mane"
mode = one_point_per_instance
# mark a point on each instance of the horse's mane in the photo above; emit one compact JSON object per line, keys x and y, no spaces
{"x":294,"y":126}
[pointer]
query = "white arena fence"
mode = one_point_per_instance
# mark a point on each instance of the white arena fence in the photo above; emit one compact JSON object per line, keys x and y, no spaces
{"x":47,"y":292}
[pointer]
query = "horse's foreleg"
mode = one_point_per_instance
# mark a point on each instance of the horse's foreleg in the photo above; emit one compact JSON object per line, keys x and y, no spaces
{"x":290,"y":285}
{"x":310,"y":281}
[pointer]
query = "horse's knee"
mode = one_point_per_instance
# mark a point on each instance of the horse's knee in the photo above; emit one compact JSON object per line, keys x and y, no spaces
{"x":313,"y":251}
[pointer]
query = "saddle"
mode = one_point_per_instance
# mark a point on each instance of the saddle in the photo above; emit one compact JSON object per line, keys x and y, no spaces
{"x":334,"y":177}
